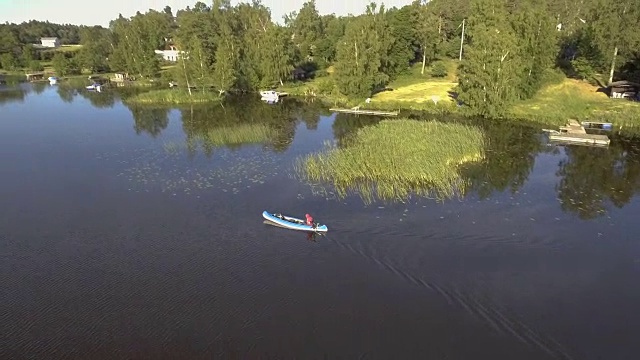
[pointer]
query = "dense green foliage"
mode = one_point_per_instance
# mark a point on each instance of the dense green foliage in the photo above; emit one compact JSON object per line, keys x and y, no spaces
{"x":506,"y":47}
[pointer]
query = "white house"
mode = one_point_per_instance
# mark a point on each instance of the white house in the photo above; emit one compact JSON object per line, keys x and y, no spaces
{"x":50,"y":42}
{"x":170,"y":55}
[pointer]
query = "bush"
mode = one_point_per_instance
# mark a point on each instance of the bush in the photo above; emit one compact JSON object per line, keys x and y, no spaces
{"x":582,"y":69}
{"x":167,"y":76}
{"x":35,"y":65}
{"x":439,"y":70}
{"x":325,"y":86}
{"x":320,"y":73}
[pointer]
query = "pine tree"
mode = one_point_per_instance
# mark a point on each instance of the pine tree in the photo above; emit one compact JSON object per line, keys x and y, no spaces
{"x":426,"y":31}
{"x":276,"y":62}
{"x":225,"y":68}
{"x":488,"y":74}
{"x":537,"y":43}
{"x":608,"y":25}
{"x":359,"y":57}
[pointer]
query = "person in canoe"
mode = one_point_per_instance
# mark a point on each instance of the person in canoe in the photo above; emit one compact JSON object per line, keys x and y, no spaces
{"x":309,"y":220}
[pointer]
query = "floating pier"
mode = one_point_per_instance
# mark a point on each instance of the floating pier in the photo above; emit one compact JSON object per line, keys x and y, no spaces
{"x":38,"y":76}
{"x":357,"y":111}
{"x":597,"y":125}
{"x":575,"y":133}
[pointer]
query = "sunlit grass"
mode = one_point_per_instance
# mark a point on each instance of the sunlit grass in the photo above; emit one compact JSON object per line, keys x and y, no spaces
{"x":427,"y":91}
{"x":574,"y":99}
{"x":68,"y":48}
{"x":173,"y":96}
{"x":396,"y":158}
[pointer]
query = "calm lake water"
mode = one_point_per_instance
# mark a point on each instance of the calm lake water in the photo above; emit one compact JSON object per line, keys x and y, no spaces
{"x":123,"y":237}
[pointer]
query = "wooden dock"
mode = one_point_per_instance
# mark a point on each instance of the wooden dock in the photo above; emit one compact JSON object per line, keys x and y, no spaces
{"x":38,"y":76}
{"x":582,"y":139}
{"x":357,"y":111}
{"x":575,"y":133}
{"x":597,"y":125}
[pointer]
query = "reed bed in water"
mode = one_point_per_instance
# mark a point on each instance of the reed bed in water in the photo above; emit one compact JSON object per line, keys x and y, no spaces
{"x":396,"y":158}
{"x":173,"y":96}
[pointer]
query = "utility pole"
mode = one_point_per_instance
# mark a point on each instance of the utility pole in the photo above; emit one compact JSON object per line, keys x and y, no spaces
{"x":461,"y":39}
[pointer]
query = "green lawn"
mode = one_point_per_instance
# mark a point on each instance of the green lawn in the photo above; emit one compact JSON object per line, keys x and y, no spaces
{"x":574,"y":99}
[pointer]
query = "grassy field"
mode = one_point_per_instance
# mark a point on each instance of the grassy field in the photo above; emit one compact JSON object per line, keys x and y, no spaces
{"x":557,"y":102}
{"x":396,"y":158}
{"x":411,"y":90}
{"x":574,"y":99}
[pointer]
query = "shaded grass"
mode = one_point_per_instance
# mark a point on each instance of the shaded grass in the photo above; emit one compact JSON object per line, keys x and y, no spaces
{"x":574,"y":99}
{"x":396,"y":158}
{"x":413,"y":75}
{"x":173,"y":96}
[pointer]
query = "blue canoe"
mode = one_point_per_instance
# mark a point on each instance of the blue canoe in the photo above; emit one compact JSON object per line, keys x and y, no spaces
{"x":293,"y":223}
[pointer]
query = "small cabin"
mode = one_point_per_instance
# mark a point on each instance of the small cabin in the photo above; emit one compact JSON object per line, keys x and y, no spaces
{"x":50,"y":42}
{"x":624,"y":89}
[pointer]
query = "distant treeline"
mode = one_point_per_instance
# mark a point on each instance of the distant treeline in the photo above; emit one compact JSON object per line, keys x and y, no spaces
{"x":18,"y":43}
{"x":30,"y":32}
{"x":511,"y":47}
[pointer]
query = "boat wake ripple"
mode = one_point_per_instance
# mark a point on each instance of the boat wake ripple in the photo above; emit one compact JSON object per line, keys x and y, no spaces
{"x":496,"y":317}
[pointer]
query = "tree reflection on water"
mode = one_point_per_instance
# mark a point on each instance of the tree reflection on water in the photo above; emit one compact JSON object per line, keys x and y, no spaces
{"x":592,"y":179}
{"x":589,"y":180}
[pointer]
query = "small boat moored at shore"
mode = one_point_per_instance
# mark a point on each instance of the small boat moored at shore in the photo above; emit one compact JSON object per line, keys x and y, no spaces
{"x":95,"y":87}
{"x":293,"y":223}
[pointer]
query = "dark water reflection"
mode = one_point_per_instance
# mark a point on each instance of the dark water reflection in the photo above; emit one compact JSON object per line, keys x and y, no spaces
{"x":124,"y":235}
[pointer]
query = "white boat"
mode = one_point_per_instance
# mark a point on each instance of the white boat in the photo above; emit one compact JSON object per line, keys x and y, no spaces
{"x":269,"y":95}
{"x":95,"y":86}
{"x":53,"y":80}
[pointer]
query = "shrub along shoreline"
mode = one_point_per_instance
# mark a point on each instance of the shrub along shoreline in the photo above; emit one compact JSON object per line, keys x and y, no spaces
{"x":173,"y":97}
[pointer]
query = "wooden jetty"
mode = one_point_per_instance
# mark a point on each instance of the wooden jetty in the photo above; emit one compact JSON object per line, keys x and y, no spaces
{"x":597,"y":125}
{"x":357,"y":111}
{"x":38,"y":76}
{"x":575,"y":133}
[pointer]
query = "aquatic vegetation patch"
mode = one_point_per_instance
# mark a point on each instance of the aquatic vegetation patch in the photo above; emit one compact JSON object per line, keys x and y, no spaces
{"x":170,"y":171}
{"x":172,"y":96}
{"x":397,"y":158}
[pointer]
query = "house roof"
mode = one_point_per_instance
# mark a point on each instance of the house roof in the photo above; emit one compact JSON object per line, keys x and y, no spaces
{"x":49,"y":38}
{"x":624,"y":83}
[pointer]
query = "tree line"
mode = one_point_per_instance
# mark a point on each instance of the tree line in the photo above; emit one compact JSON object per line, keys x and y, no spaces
{"x":19,"y":46}
{"x":506,"y":48}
